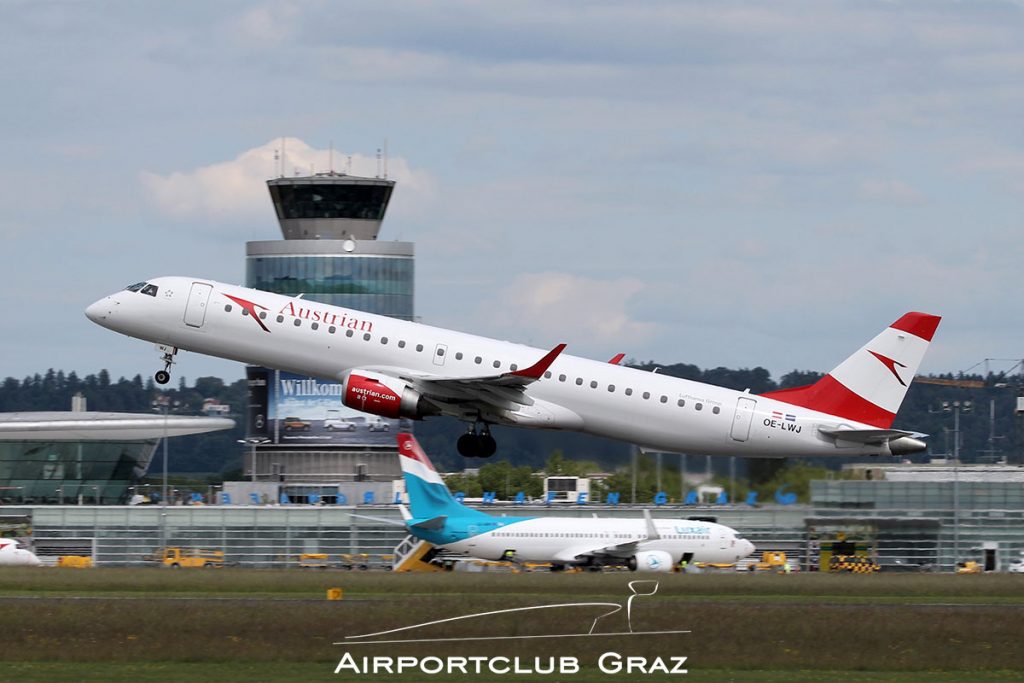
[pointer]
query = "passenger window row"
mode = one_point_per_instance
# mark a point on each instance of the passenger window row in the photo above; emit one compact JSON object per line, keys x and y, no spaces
{"x":478,"y":360}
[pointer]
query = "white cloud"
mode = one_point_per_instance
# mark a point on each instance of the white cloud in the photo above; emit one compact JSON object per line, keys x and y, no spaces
{"x":559,"y":306}
{"x":236,"y":190}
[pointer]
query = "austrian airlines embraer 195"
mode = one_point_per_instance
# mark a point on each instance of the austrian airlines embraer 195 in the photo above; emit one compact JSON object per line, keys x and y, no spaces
{"x":393,"y":368}
{"x":648,"y":545}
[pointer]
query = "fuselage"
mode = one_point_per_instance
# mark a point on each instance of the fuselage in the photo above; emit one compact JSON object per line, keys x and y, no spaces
{"x":562,"y":539}
{"x":649,"y":409}
{"x":13,"y":556}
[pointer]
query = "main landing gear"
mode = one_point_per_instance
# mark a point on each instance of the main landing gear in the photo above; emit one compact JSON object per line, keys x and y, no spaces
{"x":477,"y":442}
{"x":164,"y":376}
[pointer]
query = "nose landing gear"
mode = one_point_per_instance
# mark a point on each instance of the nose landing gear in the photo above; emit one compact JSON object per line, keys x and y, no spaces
{"x":477,"y":442}
{"x":164,"y":376}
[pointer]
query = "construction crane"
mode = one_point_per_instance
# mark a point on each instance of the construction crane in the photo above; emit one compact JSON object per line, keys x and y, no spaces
{"x":942,"y":381}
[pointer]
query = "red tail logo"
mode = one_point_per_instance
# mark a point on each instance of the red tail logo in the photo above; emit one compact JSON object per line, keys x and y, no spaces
{"x":891,"y":364}
{"x":251,"y":308}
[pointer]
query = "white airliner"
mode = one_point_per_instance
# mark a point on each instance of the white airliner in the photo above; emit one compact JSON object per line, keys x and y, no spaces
{"x":652,"y":545}
{"x":11,"y":555}
{"x":393,"y":368}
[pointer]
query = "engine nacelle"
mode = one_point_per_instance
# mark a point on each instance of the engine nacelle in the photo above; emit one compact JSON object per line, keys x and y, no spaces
{"x":650,"y":561}
{"x":377,"y":394}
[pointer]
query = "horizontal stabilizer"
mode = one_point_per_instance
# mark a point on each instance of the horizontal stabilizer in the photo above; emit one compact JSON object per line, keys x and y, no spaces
{"x":869,"y":436}
{"x":432,"y":523}
{"x":898,"y":441}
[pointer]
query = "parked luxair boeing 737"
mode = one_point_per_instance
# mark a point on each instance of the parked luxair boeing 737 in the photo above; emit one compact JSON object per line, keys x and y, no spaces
{"x":653,"y":545}
{"x":394,"y":368}
{"x":12,"y":555}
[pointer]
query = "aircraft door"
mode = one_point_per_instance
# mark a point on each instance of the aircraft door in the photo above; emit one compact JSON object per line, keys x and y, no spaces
{"x":195,"y":309}
{"x":439,"y":354}
{"x":742,"y":419}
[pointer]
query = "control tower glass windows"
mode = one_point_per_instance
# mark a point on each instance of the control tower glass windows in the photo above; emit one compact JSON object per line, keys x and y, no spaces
{"x":382,"y":285}
{"x":367,"y":202}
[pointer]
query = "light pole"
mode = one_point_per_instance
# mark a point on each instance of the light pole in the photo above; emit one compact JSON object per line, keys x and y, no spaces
{"x":163,"y":406}
{"x":956,"y":407}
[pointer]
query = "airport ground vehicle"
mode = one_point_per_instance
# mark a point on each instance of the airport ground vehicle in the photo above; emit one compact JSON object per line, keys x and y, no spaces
{"x":1016,"y":567}
{"x":313,"y":560}
{"x":771,"y":561}
{"x":176,"y":558}
{"x":75,"y":561}
{"x":969,"y":567}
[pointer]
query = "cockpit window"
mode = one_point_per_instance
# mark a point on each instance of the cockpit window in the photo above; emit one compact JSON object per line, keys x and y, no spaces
{"x":143,"y":287}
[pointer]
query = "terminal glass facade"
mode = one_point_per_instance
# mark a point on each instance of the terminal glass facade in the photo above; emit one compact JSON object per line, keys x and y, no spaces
{"x":376,"y":284}
{"x":66,"y":472}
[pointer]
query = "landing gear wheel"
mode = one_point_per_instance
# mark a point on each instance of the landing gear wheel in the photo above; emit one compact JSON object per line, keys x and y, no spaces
{"x":164,"y":376}
{"x":468,"y":445}
{"x":477,"y":442}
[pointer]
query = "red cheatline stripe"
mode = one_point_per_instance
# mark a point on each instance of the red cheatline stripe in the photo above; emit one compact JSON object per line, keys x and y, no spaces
{"x":920,"y":325}
{"x":829,"y":396}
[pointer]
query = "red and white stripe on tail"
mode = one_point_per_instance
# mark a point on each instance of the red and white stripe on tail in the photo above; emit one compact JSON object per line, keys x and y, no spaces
{"x":415,"y":461}
{"x":870,"y":385}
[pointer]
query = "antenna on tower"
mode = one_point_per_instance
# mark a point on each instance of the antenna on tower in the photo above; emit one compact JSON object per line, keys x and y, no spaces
{"x":277,"y":161}
{"x":330,"y":158}
{"x":378,"y":162}
{"x":284,"y":154}
{"x":348,"y":165}
{"x":385,"y":158}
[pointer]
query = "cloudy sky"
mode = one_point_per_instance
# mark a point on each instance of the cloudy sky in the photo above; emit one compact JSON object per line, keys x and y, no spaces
{"x":733,"y":183}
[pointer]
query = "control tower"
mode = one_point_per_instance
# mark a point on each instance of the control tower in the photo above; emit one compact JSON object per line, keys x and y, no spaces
{"x":330,"y":206}
{"x":302,"y":438}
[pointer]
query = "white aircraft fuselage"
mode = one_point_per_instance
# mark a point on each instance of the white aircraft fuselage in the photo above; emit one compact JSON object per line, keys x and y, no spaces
{"x":13,"y":556}
{"x":399,"y":368}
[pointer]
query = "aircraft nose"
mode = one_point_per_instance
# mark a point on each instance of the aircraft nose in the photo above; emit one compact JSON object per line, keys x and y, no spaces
{"x":748,"y":548}
{"x":101,"y":310}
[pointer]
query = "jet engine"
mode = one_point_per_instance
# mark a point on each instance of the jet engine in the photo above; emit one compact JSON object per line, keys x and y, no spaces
{"x":650,"y":561}
{"x":377,"y":394}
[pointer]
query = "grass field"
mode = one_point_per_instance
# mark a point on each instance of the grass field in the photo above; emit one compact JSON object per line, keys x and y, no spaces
{"x":249,"y":625}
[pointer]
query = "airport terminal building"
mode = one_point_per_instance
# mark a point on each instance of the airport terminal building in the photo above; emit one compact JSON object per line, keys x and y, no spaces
{"x":80,"y":457}
{"x":908,"y":518}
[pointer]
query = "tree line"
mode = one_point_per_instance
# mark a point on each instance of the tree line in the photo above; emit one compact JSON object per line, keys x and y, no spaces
{"x":927,"y":409}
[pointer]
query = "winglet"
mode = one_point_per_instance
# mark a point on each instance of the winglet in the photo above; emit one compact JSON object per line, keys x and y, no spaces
{"x":617,"y":358}
{"x":652,"y":531}
{"x":537,"y":370}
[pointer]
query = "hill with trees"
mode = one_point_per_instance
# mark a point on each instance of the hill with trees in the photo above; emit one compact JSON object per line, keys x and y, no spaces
{"x":982,"y":437}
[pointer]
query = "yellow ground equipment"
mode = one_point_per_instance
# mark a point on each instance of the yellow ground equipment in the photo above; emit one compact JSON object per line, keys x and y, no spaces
{"x":74,"y":561}
{"x":855,"y":564}
{"x":191,"y":557}
{"x":415,"y":555}
{"x":313,"y":560}
{"x":771,"y":561}
{"x":969,"y":567}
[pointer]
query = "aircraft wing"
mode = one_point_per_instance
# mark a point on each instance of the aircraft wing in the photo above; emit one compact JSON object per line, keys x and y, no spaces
{"x":503,"y":391}
{"x":619,"y":550}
